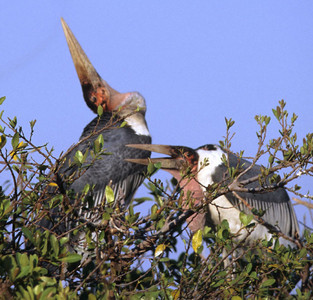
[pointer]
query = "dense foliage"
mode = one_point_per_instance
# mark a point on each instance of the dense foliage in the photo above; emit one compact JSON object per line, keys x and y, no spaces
{"x":143,"y":253}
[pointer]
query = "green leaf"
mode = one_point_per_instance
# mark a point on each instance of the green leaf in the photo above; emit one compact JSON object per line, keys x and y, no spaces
{"x":302,"y":253}
{"x":78,"y":158}
{"x":63,"y":240}
{"x":164,"y":259}
{"x":245,"y":219}
{"x":55,"y":244}
{"x":2,"y":100}
{"x":100,"y":110}
{"x":229,"y":123}
{"x":271,"y":159}
{"x":71,"y":258}
{"x":47,"y":293}
{"x":197,"y":240}
{"x":32,"y":124}
{"x":98,"y":144}
{"x":225,"y":224}
{"x":86,"y":188}
{"x":277,"y":113}
{"x":109,"y":194}
{"x":28,"y":234}
{"x":249,"y":268}
{"x":15,"y":140}
{"x":13,"y":122}
{"x":25,"y":270}
{"x":219,"y":283}
{"x":267,"y":120}
{"x":33,"y":260}
{"x":48,"y":280}
{"x":154,"y":210}
{"x":92,"y":297}
{"x":254,"y":275}
{"x":3,"y":141}
{"x":106,"y":216}
{"x":158,"y":165}
{"x":124,"y":123}
{"x":150,"y":168}
{"x":11,"y":266}
{"x":22,"y":259}
{"x":268,"y":282}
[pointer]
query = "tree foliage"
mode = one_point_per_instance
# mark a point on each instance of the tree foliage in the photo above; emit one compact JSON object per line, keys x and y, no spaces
{"x":145,"y":253}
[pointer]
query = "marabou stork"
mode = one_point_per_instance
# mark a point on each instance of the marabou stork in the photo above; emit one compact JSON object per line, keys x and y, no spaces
{"x":207,"y":167}
{"x":122,"y":122}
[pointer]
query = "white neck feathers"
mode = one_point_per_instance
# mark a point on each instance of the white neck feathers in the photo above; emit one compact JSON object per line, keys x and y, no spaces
{"x":213,"y":159}
{"x":138,"y":123}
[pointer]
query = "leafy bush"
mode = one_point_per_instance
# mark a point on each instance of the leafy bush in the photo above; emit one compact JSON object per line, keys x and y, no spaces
{"x":139,"y":255}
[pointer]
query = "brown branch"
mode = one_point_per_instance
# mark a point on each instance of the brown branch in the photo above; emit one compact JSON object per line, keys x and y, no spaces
{"x":168,"y":227}
{"x":308,"y":205}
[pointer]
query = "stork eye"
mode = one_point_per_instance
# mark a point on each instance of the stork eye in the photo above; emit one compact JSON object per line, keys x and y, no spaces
{"x":190,"y":156}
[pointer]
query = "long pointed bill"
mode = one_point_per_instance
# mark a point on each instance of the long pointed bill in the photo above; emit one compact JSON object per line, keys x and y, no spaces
{"x":166,"y":163}
{"x":163,"y":149}
{"x":96,"y":91}
{"x":176,"y":161}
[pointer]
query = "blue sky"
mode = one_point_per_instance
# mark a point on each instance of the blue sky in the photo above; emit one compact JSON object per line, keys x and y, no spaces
{"x":195,"y":62}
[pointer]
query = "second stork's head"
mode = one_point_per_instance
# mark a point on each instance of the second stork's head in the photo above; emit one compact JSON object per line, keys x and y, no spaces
{"x":204,"y":163}
{"x":96,"y":91}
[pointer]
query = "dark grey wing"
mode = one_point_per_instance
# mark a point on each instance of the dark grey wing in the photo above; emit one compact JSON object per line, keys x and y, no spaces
{"x":276,"y":204}
{"x":124,"y":177}
{"x":123,"y":190}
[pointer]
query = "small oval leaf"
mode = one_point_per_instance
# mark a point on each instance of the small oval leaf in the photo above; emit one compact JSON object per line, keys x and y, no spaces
{"x":100,"y":110}
{"x":197,"y":240}
{"x":109,"y":194}
{"x":245,"y":219}
{"x":268,"y":282}
{"x":159,"y":250}
{"x":15,"y":140}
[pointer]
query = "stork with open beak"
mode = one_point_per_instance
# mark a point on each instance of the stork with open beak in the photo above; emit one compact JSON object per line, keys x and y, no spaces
{"x":207,"y":167}
{"x":122,"y":122}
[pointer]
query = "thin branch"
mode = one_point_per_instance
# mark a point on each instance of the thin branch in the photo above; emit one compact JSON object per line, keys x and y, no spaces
{"x":308,"y":205}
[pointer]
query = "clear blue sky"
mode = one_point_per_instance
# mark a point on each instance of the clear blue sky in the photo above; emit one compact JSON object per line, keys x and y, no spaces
{"x":195,"y":62}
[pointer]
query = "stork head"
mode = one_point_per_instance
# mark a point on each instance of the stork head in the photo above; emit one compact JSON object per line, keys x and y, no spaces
{"x":181,"y":158}
{"x":203,"y":162}
{"x":96,"y":91}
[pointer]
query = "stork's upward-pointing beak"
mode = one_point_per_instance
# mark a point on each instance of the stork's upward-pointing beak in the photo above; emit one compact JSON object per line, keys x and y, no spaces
{"x":175,"y":162}
{"x":96,"y":91}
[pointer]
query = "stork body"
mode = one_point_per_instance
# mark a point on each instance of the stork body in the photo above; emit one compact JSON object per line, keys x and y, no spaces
{"x":110,"y":168}
{"x":122,"y":122}
{"x":208,"y":168}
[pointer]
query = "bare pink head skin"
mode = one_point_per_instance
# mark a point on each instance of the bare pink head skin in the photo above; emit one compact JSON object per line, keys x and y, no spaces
{"x":97,"y":92}
{"x":181,"y":159}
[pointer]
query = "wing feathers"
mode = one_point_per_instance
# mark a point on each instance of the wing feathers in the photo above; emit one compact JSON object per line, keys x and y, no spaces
{"x":277,"y":213}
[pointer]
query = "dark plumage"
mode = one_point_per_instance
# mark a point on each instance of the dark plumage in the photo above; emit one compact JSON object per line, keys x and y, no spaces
{"x":110,"y":167}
